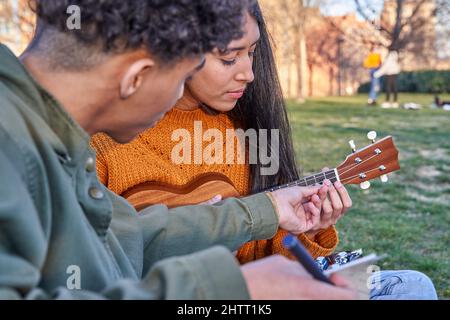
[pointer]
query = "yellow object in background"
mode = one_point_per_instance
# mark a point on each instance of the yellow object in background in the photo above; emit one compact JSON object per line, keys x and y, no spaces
{"x":373,"y":61}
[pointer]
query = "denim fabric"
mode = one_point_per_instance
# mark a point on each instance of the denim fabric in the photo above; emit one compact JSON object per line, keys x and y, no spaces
{"x":402,"y":285}
{"x":374,"y":85}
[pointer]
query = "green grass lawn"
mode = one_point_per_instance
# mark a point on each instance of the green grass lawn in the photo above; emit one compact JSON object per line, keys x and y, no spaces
{"x":408,"y":218}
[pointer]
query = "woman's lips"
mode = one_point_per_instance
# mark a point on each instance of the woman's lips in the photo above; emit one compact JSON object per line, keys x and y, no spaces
{"x":236,"y":94}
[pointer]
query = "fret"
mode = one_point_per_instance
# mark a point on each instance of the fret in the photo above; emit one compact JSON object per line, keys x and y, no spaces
{"x":328,"y":173}
{"x":309,"y":181}
{"x":301,"y":183}
{"x":320,"y":177}
{"x":277,"y":188}
{"x":331,"y":176}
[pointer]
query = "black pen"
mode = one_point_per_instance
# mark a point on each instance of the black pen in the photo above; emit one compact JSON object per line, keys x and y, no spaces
{"x":291,"y":243}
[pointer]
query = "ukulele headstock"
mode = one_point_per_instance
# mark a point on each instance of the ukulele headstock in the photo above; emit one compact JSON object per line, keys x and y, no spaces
{"x":375,"y":160}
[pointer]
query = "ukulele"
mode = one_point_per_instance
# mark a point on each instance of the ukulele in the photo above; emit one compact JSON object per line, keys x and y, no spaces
{"x":376,"y":160}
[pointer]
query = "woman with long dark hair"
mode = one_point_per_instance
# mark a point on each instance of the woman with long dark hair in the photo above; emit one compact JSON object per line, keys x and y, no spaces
{"x":236,"y":89}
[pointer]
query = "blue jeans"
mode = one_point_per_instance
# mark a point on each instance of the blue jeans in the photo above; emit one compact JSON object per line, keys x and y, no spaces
{"x":374,"y":85}
{"x":402,"y":285}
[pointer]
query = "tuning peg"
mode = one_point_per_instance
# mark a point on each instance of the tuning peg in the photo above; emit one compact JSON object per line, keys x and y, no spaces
{"x":372,"y":135}
{"x":384,"y":178}
{"x":352,"y":145}
{"x":365,"y":185}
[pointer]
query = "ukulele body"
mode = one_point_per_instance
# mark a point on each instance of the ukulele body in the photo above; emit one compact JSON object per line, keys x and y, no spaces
{"x":202,"y":188}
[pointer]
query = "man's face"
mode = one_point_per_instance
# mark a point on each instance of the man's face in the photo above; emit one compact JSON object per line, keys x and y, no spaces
{"x":160,"y":89}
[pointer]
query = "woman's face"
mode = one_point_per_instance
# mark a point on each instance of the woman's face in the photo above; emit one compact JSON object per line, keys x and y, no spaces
{"x":224,"y":78}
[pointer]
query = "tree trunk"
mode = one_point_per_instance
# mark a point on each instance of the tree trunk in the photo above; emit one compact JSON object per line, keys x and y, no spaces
{"x":331,"y":81}
{"x":304,"y":64}
{"x":300,"y":51}
{"x":289,"y":77}
{"x":298,"y":66}
{"x":311,"y":80}
{"x":397,"y":28}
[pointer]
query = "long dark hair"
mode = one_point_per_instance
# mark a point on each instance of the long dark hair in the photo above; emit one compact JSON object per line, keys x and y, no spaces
{"x":263,"y":107}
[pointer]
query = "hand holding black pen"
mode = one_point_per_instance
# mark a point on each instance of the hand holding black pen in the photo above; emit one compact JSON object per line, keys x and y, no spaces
{"x":303,"y":256}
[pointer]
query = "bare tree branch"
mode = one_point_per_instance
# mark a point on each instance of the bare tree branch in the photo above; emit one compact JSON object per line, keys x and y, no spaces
{"x":381,"y":27}
{"x":414,"y":13}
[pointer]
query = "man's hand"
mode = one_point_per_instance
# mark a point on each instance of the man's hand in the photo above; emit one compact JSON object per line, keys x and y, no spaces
{"x":299,"y":208}
{"x":278,"y":278}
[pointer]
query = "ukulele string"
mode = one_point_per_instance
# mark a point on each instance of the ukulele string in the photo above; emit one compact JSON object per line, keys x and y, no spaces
{"x":358,"y":164}
{"x":305,"y":180}
{"x":297,"y":183}
{"x":350,"y":178}
{"x":346,"y":169}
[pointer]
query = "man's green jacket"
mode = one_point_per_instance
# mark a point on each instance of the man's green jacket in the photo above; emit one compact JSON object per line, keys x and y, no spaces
{"x":63,"y":235}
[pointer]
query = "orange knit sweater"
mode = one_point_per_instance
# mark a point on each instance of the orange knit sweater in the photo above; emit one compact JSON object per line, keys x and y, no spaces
{"x":148,"y":158}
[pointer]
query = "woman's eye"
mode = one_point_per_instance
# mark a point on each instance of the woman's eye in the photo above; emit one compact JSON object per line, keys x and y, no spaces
{"x":228,"y":62}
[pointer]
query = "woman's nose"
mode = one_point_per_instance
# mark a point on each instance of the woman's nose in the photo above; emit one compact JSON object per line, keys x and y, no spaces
{"x":246,"y":73}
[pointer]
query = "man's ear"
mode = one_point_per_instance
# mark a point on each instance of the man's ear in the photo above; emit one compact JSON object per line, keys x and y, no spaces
{"x":134,"y":76}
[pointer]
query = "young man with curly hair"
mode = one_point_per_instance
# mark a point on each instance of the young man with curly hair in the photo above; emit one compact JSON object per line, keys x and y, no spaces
{"x":64,"y":235}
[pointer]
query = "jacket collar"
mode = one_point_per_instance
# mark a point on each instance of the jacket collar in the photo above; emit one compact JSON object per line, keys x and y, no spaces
{"x":67,"y":138}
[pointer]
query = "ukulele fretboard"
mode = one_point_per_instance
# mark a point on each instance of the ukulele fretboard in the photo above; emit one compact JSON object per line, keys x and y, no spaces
{"x":310,"y":180}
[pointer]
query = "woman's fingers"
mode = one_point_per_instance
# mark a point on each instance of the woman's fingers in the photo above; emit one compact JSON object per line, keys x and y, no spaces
{"x":336,"y":202}
{"x":345,"y":197}
{"x":327,"y":208}
{"x":332,"y":201}
{"x":324,"y":190}
{"x":326,"y":183}
{"x":315,"y":215}
{"x":316,"y":200}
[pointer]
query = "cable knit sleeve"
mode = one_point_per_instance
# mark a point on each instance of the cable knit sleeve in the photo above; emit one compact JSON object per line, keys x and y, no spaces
{"x":324,"y":244}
